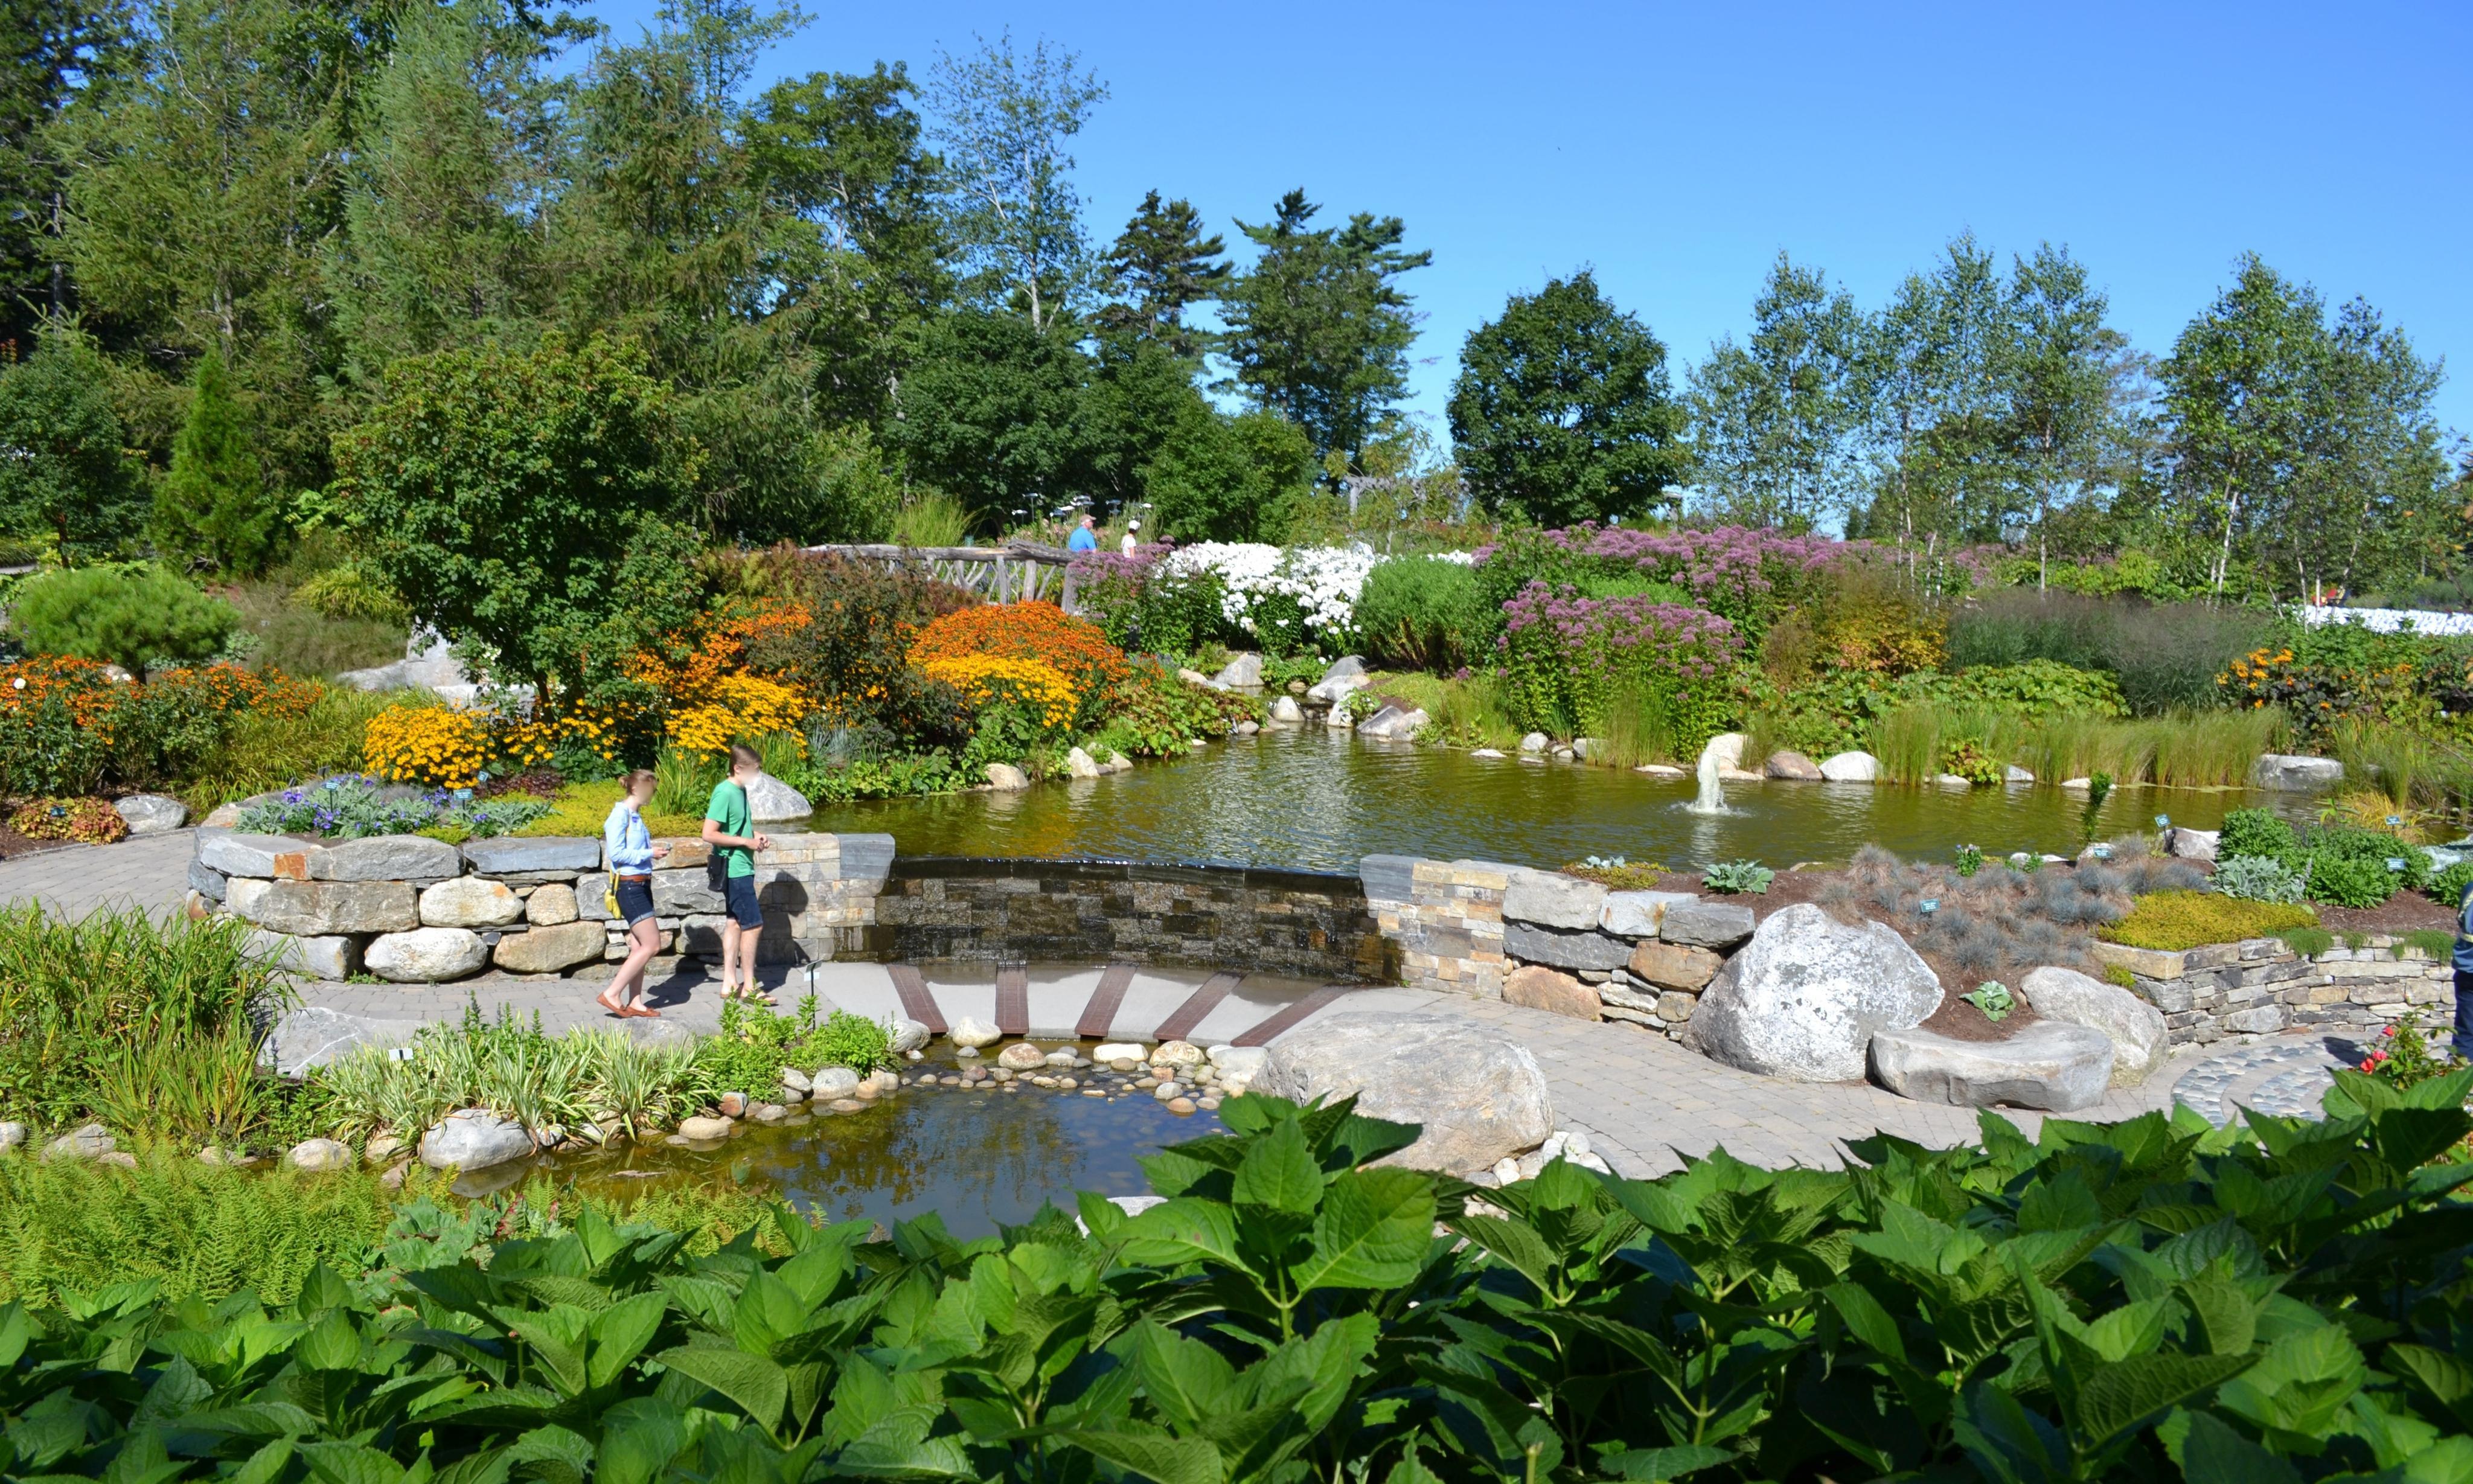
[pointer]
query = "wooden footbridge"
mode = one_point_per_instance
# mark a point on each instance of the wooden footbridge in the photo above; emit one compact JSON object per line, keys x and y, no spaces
{"x":1015,"y":572}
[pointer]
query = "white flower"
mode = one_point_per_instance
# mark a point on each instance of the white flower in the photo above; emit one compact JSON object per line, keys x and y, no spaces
{"x":1324,"y":580}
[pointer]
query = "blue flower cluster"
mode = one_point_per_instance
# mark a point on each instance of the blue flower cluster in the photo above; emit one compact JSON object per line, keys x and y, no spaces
{"x":352,"y":806}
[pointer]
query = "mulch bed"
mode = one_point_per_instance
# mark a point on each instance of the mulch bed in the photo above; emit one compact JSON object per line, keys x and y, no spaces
{"x":13,"y":844}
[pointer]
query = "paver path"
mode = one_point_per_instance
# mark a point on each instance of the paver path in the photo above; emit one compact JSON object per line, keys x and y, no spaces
{"x":149,"y":872}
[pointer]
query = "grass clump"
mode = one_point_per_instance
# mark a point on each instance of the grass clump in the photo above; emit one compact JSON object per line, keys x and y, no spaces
{"x":1463,"y":711}
{"x":1999,"y":925}
{"x":2431,"y":943}
{"x":2307,"y":941}
{"x":2178,"y":920}
{"x":267,"y":750}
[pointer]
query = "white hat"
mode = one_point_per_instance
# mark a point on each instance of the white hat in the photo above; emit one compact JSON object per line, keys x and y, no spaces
{"x":1133,"y":525}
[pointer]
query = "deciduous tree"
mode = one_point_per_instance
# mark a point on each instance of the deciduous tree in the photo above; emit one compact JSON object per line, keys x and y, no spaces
{"x":1003,"y":121}
{"x":66,"y":477}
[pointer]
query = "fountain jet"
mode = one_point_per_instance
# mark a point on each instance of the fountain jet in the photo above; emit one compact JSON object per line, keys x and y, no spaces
{"x":1713,"y":796}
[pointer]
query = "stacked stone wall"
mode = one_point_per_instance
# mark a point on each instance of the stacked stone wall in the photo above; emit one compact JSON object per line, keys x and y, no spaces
{"x":2259,"y":987}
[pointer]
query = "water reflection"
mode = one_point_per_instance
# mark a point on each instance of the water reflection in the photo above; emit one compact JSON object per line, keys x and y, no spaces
{"x":1322,"y":799}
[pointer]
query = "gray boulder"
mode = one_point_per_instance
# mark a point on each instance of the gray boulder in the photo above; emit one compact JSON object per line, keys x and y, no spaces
{"x":313,"y":1035}
{"x":1006,"y":778}
{"x":547,"y":950}
{"x":2189,"y":844}
{"x":1565,"y":948}
{"x":91,"y":1141}
{"x":387,"y":858}
{"x":2292,"y":774}
{"x":1080,"y":764}
{"x":2050,"y":1064}
{"x":1805,"y":997}
{"x":593,"y":896}
{"x":152,"y":814}
{"x":1792,"y":766}
{"x":908,"y":1036}
{"x":469,"y":901}
{"x":426,"y":955}
{"x":1242,"y":670}
{"x":317,"y":909}
{"x":1347,"y":673}
{"x":1552,"y":899}
{"x":474,"y":1138}
{"x":1851,"y":768}
{"x":1478,"y":1094}
{"x":833,"y":1082}
{"x":1701,"y":923}
{"x":2134,"y":1027}
{"x":1393,"y":723}
{"x":236,"y":853}
{"x":1286,"y":712}
{"x":1534,"y":742}
{"x":509,"y":854}
{"x":770,"y":800}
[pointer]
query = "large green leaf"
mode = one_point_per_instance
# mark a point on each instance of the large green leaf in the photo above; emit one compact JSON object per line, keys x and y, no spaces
{"x":1152,"y":1456}
{"x":619,"y":1334}
{"x":2214,"y":1453}
{"x":1372,"y":1232}
{"x":1656,"y":1465}
{"x":755,"y":1382}
{"x":1183,"y":1230}
{"x":2120,"y":1395}
{"x":1279,"y":1172}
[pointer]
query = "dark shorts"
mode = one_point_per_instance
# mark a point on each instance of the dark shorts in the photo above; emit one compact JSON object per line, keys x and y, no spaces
{"x":743,"y":910}
{"x":634,"y":902}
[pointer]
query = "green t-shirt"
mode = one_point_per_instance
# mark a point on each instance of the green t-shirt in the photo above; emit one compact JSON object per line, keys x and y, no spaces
{"x":729,"y":810}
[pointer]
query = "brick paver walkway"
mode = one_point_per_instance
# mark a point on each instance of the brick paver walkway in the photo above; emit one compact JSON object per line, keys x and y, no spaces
{"x":151,"y":872}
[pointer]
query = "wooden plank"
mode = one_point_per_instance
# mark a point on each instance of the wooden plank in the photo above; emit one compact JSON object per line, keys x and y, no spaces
{"x":1013,"y":1000}
{"x":1099,"y":1016}
{"x":1201,"y":1003}
{"x":916,"y":1002}
{"x":1288,"y":1020}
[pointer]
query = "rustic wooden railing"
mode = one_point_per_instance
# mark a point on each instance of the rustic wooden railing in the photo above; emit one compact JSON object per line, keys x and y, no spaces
{"x":1015,"y":572}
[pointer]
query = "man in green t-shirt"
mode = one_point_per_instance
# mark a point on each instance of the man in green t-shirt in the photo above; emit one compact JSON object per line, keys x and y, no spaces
{"x":726,"y":828}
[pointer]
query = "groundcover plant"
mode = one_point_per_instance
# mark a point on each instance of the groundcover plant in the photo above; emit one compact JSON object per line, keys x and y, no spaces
{"x":2155,"y":1299}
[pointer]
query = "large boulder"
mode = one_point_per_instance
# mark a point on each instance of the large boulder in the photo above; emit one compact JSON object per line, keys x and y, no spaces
{"x":474,"y":1138}
{"x":1006,"y":778}
{"x":150,"y":814}
{"x":1553,"y":899}
{"x":1241,"y":671}
{"x":1792,"y":766}
{"x":426,"y":955}
{"x":2050,"y":1064}
{"x":2293,"y":774}
{"x":1393,"y":723}
{"x":971,"y":1033}
{"x":1347,"y":673}
{"x":545,"y":950}
{"x":770,"y":800}
{"x":2134,"y":1027}
{"x":1805,"y":997}
{"x":469,"y":901}
{"x":312,"y":909}
{"x":1851,"y":768}
{"x":1478,"y":1095}
{"x":387,"y":858}
{"x":313,"y":1035}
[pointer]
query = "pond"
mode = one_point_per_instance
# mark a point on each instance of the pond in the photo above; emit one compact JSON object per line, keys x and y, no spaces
{"x":976,"y":1159}
{"x":1320,"y":799}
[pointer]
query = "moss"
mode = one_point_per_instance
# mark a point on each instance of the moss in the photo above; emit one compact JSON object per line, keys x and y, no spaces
{"x":2174,"y":921}
{"x":580,"y":808}
{"x":2432,"y":942}
{"x":2307,"y":941}
{"x":2121,"y":976}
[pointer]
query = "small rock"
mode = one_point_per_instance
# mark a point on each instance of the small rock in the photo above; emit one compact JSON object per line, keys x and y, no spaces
{"x":1120,"y":1051}
{"x":319,"y":1154}
{"x":2013,"y":774}
{"x":1180,"y":1105}
{"x":1179,"y":1053}
{"x":1167,"y":1090}
{"x":768,"y":1112}
{"x":474,"y":1139}
{"x":1197,"y":678}
{"x":833,"y":1082}
{"x":1534,"y":742}
{"x":1286,"y":712}
{"x":2193,"y":843}
{"x":121,"y":1158}
{"x":1248,"y":727}
{"x":1064,"y":1059}
{"x":972,"y":1033}
{"x":701,"y":1127}
{"x":797,"y":1081}
{"x":1346,"y":674}
{"x":1485,"y":752}
{"x":90,"y":1141}
{"x":732,"y":1104}
{"x":150,"y":814}
{"x":1851,"y":768}
{"x":222,"y":1158}
{"x":1006,"y":778}
{"x":847,"y":1105}
{"x":1021,"y":1056}
{"x":1794,"y":767}
{"x":1952,"y":780}
{"x":12,"y":1136}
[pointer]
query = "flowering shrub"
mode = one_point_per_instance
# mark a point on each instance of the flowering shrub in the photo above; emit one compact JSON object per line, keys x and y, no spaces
{"x":434,"y":745}
{"x":90,"y":821}
{"x":1567,"y":659}
{"x":1076,"y":654}
{"x":853,"y":655}
{"x":1299,"y":598}
{"x":1141,"y":604}
{"x":1743,"y":575}
{"x":66,"y":726}
{"x":737,"y":708}
{"x":1152,"y":713}
{"x":1033,"y":687}
{"x":582,"y":732}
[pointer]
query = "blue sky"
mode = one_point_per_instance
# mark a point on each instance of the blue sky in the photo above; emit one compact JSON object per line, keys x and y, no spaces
{"x":1677,"y":149}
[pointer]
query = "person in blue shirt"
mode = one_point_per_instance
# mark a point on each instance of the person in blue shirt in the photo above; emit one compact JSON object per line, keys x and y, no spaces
{"x":631,"y":851}
{"x":2464,"y":978}
{"x":1085,"y":536}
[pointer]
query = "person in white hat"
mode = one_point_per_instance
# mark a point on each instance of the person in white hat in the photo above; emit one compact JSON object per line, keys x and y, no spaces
{"x":1128,"y":545}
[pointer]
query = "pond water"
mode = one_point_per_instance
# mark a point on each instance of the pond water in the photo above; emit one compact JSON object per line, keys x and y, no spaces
{"x":1319,"y":800}
{"x":976,"y":1159}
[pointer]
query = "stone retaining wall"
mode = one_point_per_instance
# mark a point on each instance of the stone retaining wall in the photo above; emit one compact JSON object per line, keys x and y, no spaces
{"x":2259,"y":987}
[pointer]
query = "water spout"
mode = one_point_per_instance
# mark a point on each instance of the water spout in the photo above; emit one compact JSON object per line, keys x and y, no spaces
{"x":1712,"y":796}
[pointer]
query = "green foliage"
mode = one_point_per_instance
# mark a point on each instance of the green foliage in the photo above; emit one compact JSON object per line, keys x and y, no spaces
{"x":2162,"y":655}
{"x":931,"y":518}
{"x":2451,"y":884}
{"x":265,"y":751}
{"x":68,"y":481}
{"x":1992,"y":998}
{"x":349,"y":808}
{"x":1774,"y":419}
{"x":2431,"y":943}
{"x":2255,"y":832}
{"x":2307,"y":941}
{"x":754,"y":1046}
{"x":1216,"y":477}
{"x":604,"y":1077}
{"x":2256,"y":878}
{"x":135,"y":617}
{"x":516,"y":503}
{"x":1154,"y":714}
{"x":1426,"y":613}
{"x":1562,"y":410}
{"x":2358,"y":868}
{"x":2345,"y":881}
{"x":1732,"y":876}
{"x":1970,"y":860}
{"x":214,"y":504}
{"x":2178,"y":920}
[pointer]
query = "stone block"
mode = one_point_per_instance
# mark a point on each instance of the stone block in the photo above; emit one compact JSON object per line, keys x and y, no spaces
{"x":1551,"y":990}
{"x":205,"y":880}
{"x":1638,"y":913}
{"x":550,"y":905}
{"x":507,"y":853}
{"x":1564,"y":950}
{"x":387,"y":858}
{"x":426,"y":955}
{"x":332,"y":957}
{"x":1675,"y":1007}
{"x":1550,"y":898}
{"x":469,"y":901}
{"x":268,"y":857}
{"x":2049,"y":1065}
{"x":865,"y":857}
{"x":683,"y":892}
{"x":1706,"y":925}
{"x":1674,"y":966}
{"x":2257,"y":1021}
{"x":310,"y":909}
{"x":591,"y":897}
{"x":547,"y":950}
{"x":2146,"y":963}
{"x":1388,"y":877}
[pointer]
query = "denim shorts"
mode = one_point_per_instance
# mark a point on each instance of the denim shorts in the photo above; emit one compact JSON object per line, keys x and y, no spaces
{"x":743,"y":908}
{"x":635,"y":900}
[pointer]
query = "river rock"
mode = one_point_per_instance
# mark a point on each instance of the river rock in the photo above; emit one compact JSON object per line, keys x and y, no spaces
{"x":771,"y":802}
{"x":1393,"y":723}
{"x":1674,"y":966}
{"x":833,"y":1082}
{"x":1245,"y":670}
{"x":1080,"y":764}
{"x":1851,"y":768}
{"x":1193,"y":677}
{"x":387,"y":858}
{"x":703,"y":1127}
{"x":1805,"y":997}
{"x":527,"y":854}
{"x":1551,"y":990}
{"x":474,"y":1138}
{"x":1534,"y":742}
{"x":1021,"y":1057}
{"x":2134,"y":1027}
{"x":1552,"y":899}
{"x":973,"y":1032}
{"x":12,"y":1136}
{"x":1706,"y":925}
{"x":2292,"y":774}
{"x":1728,"y":746}
{"x":1286,"y":712}
{"x":319,"y":1154}
{"x":1179,"y":1053}
{"x":1006,"y":778}
{"x":797,"y":1081}
{"x":2192,"y":844}
{"x":1478,"y":1095}
{"x":547,"y":950}
{"x":426,"y":955}
{"x":1639,"y":914}
{"x":1119,"y":1051}
{"x":268,"y":857}
{"x":150,"y":814}
{"x":90,"y":1141}
{"x":1564,"y":947}
{"x":1792,"y":766}
{"x":2050,"y":1064}
{"x":316,"y":909}
{"x":2011,"y":773}
{"x":469,"y":901}
{"x":1347,"y":673}
{"x":909,"y":1036}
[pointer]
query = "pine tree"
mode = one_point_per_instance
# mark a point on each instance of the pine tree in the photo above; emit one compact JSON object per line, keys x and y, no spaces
{"x":1161,"y":266}
{"x":214,"y":503}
